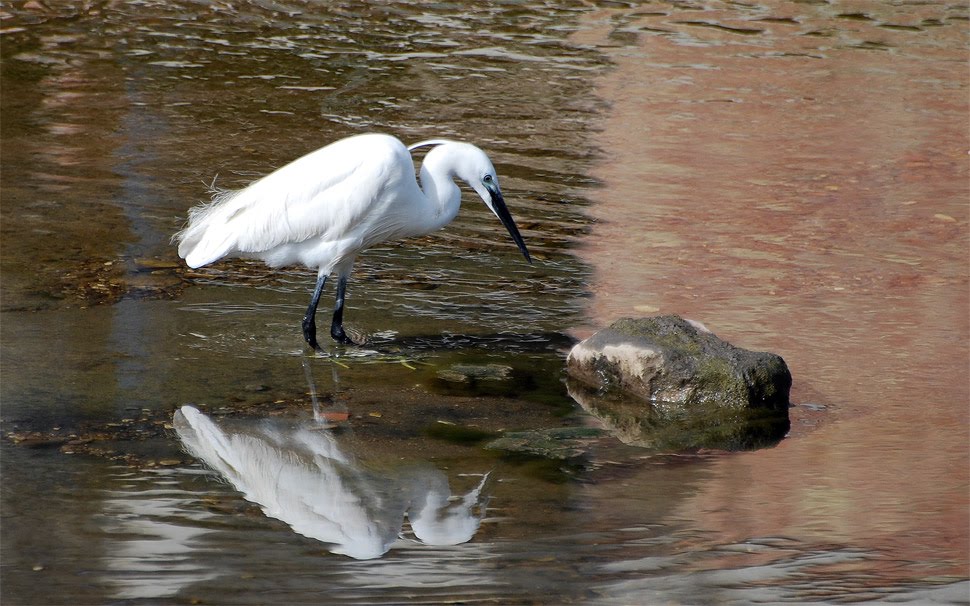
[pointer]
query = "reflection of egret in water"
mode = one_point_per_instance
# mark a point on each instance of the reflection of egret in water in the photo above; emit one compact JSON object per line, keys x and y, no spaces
{"x":301,"y":477}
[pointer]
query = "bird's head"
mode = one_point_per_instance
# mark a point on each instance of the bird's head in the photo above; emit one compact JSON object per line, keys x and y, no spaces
{"x":471,"y":165}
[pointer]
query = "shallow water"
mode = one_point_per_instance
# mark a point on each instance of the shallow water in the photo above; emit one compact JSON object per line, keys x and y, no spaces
{"x":791,"y":174}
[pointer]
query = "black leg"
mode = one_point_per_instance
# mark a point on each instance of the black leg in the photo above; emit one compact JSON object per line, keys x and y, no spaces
{"x":309,"y":320}
{"x":337,"y":328}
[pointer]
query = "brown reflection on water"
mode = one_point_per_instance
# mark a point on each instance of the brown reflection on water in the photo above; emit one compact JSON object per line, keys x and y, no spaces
{"x":58,"y":177}
{"x":794,"y":176}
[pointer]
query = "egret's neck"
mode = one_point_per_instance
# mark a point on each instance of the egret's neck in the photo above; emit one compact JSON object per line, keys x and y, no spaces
{"x":438,"y":184}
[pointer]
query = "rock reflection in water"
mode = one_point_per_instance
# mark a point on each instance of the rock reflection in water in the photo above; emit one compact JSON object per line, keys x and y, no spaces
{"x":672,"y":427}
{"x":301,"y":477}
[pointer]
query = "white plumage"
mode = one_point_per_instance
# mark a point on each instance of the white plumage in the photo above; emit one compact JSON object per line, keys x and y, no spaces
{"x":324,"y":208}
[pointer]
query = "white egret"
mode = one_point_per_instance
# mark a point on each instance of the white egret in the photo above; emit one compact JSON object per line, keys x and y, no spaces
{"x":326,"y":207}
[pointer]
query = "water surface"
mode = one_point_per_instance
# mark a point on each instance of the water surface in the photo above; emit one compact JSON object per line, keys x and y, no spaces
{"x":791,"y":174}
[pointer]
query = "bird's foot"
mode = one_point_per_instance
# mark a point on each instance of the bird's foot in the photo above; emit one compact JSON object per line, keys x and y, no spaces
{"x":310,"y":333}
{"x":338,"y":335}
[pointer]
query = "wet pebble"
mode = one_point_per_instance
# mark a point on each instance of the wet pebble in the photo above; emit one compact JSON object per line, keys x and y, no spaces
{"x":39,"y":441}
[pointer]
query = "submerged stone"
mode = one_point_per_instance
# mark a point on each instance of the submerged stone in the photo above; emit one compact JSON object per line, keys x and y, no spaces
{"x":667,"y":383}
{"x":464,"y":373}
{"x":560,"y":443}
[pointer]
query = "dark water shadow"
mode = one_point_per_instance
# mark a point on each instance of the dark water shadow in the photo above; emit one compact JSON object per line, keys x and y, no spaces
{"x":392,"y":344}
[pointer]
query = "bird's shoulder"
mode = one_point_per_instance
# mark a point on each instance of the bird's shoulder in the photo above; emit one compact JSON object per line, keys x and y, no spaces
{"x":331,"y":192}
{"x":358,"y":159}
{"x":371,"y":149}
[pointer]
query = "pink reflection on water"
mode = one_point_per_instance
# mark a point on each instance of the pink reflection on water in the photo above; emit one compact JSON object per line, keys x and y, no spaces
{"x":807,"y":193}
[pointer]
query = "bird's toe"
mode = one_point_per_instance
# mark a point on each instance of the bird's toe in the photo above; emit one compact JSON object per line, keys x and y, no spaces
{"x":348,"y":336}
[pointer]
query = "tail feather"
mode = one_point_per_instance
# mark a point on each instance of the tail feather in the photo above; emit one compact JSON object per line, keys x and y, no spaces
{"x":207,"y":238}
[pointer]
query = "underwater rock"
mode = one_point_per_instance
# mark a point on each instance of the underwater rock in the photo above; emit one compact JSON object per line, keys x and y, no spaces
{"x":465,"y":373}
{"x":667,"y":383}
{"x":561,"y":443}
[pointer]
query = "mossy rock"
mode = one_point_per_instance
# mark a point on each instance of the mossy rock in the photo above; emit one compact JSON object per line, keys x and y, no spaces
{"x":664,"y":382}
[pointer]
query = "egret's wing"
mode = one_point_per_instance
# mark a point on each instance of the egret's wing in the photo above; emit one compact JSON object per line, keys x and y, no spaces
{"x":325,"y":194}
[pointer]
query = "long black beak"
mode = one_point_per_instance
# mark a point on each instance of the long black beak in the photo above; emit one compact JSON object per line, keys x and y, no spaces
{"x":502,"y":212}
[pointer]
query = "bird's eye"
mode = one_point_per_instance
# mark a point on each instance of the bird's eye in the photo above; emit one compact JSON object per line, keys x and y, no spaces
{"x":487,"y":178}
